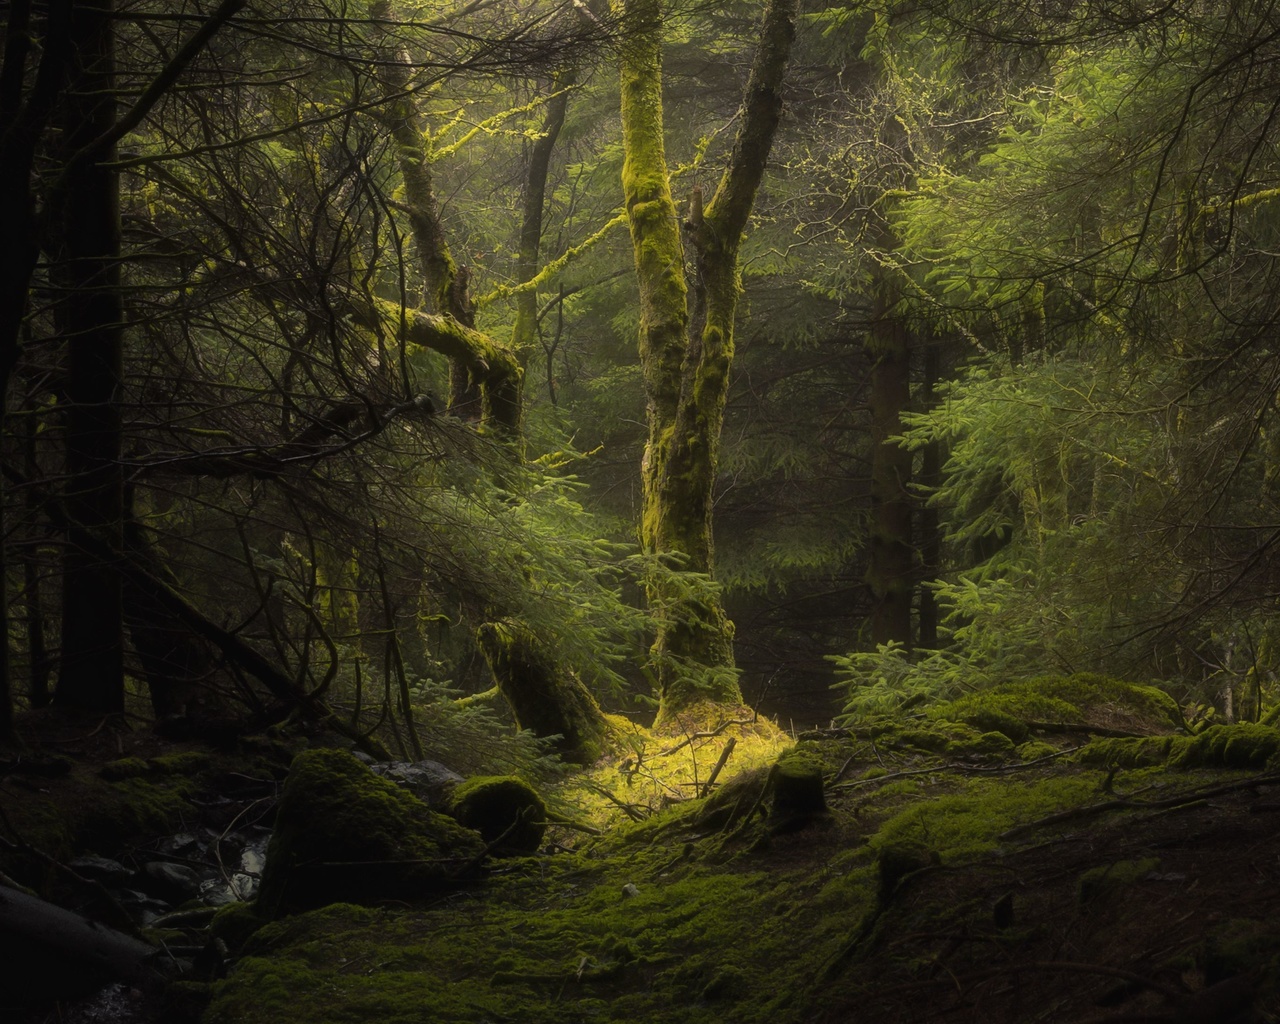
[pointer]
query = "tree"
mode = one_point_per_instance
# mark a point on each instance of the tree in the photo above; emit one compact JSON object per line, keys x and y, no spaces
{"x":686,"y":336}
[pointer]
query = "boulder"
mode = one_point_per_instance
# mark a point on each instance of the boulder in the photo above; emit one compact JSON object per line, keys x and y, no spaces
{"x":345,"y":835}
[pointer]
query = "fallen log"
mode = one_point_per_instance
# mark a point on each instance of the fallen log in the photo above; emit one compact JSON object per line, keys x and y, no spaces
{"x":49,"y":952}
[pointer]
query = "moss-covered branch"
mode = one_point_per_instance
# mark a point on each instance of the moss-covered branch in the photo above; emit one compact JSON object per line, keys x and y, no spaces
{"x":492,"y":367}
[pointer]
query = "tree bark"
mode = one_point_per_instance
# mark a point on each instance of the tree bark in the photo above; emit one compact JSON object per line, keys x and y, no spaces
{"x":686,"y":352}
{"x":91,"y":672}
{"x":535,"y":195}
{"x":930,"y":526}
{"x":484,"y":377}
{"x":543,"y":697}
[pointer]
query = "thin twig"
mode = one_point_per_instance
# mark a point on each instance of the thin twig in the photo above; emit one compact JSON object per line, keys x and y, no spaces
{"x":724,"y":756}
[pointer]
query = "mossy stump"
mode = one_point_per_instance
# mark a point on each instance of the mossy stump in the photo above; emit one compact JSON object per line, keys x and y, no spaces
{"x":345,"y":835}
{"x":506,"y":811}
{"x":544,"y":698}
{"x":798,"y":796}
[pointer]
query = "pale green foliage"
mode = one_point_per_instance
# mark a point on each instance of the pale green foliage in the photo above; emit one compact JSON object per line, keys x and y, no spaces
{"x":888,"y":679}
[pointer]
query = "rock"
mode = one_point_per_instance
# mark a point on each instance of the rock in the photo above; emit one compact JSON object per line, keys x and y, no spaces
{"x":506,"y":811}
{"x":630,"y":891}
{"x":143,"y":909}
{"x":174,"y":882}
{"x":430,"y":781}
{"x":101,"y":869}
{"x":345,"y":835}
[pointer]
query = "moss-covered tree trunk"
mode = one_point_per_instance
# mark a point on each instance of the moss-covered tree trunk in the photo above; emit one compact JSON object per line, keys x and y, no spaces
{"x":484,"y":376}
{"x":544,"y":698}
{"x":686,"y":353}
{"x":535,"y":192}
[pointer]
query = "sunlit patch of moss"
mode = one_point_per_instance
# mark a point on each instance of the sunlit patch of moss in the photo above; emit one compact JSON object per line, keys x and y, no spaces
{"x":649,"y":773}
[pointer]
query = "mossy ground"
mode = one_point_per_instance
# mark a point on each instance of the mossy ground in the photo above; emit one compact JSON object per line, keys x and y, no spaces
{"x":890,"y":903}
{"x":944,"y":884}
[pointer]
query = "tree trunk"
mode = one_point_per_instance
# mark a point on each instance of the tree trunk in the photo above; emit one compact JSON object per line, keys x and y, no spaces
{"x":484,"y":378}
{"x":544,"y":699}
{"x":91,"y":674}
{"x":891,"y":572}
{"x":535,"y":193}
{"x":686,"y":358}
{"x":22,"y":122}
{"x":930,"y":527}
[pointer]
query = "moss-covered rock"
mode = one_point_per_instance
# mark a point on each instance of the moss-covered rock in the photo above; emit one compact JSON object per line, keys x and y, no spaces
{"x":343,"y":834}
{"x":234,"y":924}
{"x":505,"y":810}
{"x":1084,"y":700}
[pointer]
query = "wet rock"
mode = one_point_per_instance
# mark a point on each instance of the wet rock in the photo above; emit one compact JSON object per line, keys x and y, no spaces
{"x":101,"y":869}
{"x":430,"y":781}
{"x":143,"y":909}
{"x":174,"y":882}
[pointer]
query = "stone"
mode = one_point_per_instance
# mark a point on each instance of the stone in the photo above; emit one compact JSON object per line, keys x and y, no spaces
{"x":345,"y":835}
{"x":430,"y":781}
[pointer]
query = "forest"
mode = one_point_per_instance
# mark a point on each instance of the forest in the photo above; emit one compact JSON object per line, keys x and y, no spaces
{"x":810,"y":468}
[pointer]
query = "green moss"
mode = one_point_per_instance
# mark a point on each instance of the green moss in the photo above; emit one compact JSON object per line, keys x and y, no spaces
{"x":955,"y":739}
{"x":1083,"y":699}
{"x":1102,"y":881}
{"x":141,"y":806}
{"x":235,"y":923}
{"x":504,"y":810}
{"x":1239,"y":945}
{"x":993,"y":719}
{"x":186,"y":762}
{"x":1229,"y":746}
{"x":935,"y":740}
{"x":966,"y":824}
{"x":1034,"y":750}
{"x":1130,"y":752}
{"x":343,"y":833}
{"x":124,"y":768}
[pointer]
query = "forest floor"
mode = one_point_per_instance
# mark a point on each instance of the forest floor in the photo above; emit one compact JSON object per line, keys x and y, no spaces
{"x":954,"y":877}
